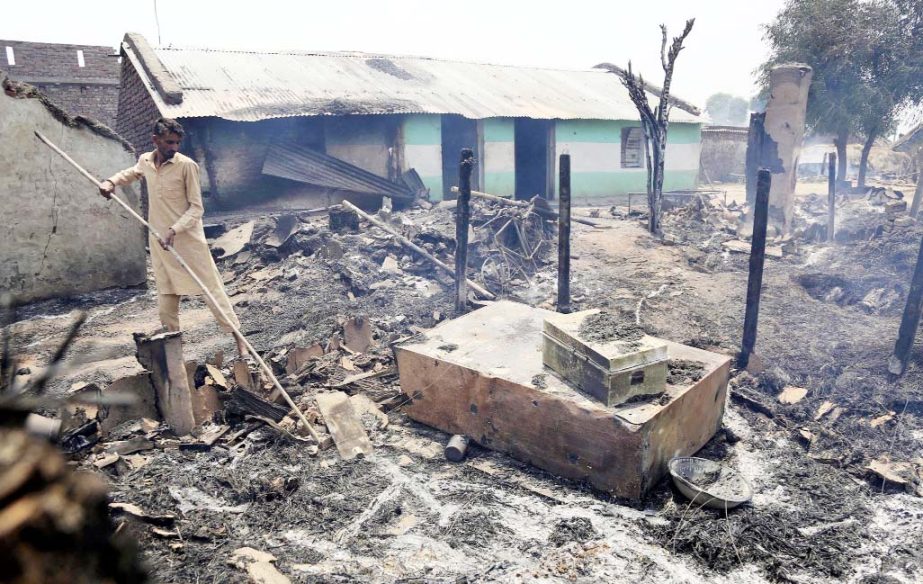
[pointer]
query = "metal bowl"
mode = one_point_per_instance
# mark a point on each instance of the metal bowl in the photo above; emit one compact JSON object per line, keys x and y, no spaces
{"x":709,"y":484}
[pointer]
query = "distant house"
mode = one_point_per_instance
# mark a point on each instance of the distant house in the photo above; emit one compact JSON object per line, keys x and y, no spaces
{"x":246,"y":112}
{"x":82,"y":79}
{"x":724,"y":153}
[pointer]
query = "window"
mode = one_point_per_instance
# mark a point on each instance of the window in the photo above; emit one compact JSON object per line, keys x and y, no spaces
{"x":632,"y":148}
{"x":80,"y":62}
{"x":10,"y":57}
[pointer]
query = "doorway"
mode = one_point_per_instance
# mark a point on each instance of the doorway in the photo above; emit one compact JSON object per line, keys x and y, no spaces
{"x":534,"y":158}
{"x":457,"y":132}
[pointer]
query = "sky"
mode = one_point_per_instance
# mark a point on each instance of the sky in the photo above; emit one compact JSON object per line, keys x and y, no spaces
{"x":725,"y":47}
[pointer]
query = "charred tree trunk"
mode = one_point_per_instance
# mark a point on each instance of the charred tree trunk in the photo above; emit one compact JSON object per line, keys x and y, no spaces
{"x":864,"y":159}
{"x":840,"y":142}
{"x":655,"y":123}
{"x":918,"y":193}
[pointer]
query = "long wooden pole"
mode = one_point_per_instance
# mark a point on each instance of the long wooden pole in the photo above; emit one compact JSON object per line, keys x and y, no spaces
{"x":757,"y":259}
{"x":918,"y":193}
{"x":910,"y":320}
{"x":411,"y":245}
{"x":831,"y":197}
{"x":564,"y":235}
{"x":198,"y":282}
{"x":462,"y":220}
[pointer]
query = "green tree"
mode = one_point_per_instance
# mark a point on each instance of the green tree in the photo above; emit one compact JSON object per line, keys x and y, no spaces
{"x":865,"y":61}
{"x":725,"y":109}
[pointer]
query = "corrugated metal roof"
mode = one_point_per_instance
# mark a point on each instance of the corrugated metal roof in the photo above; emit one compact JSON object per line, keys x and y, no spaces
{"x":248,"y":86}
{"x":315,"y":168}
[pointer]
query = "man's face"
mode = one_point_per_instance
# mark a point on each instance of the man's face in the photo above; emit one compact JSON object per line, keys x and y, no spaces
{"x":167,"y":145}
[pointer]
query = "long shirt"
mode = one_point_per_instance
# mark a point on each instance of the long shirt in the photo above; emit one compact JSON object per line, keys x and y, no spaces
{"x":175,"y":201}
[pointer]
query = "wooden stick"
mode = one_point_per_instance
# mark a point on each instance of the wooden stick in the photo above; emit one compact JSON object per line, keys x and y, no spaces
{"x":757,"y":259}
{"x":504,"y":201}
{"x":910,"y":320}
{"x":831,"y":196}
{"x":198,"y":282}
{"x":411,"y":245}
{"x":918,"y":192}
{"x":564,"y":235}
{"x":462,"y":220}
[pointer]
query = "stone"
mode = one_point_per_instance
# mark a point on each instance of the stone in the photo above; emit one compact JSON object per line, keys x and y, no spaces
{"x":357,"y":334}
{"x":792,"y":395}
{"x":234,"y":241}
{"x":390,"y":266}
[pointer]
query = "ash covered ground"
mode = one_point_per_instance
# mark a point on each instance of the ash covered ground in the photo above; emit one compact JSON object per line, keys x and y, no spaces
{"x":821,"y":512}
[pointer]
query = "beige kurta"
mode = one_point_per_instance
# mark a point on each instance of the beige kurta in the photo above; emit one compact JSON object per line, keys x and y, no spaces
{"x":175,"y":200}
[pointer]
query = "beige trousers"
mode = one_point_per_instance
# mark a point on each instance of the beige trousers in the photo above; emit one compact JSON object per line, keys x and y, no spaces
{"x":169,"y":311}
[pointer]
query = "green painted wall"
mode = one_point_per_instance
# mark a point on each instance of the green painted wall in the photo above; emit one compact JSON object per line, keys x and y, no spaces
{"x":422,"y":129}
{"x":423,"y":150}
{"x":499,"y":160}
{"x":595,"y":149}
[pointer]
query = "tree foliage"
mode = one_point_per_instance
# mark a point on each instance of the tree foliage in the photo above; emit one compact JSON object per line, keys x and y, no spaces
{"x":725,"y":109}
{"x":866,"y":56}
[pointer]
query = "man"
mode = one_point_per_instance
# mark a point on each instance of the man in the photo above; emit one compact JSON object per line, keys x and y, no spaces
{"x":175,"y":211}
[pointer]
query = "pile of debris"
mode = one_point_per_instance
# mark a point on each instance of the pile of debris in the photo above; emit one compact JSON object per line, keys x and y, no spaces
{"x":715,"y":235}
{"x":275,"y":270}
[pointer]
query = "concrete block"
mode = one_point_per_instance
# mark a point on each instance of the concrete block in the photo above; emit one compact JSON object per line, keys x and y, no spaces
{"x":483,"y":388}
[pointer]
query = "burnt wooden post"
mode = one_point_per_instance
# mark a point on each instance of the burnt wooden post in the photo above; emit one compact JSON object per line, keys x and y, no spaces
{"x":910,"y":321}
{"x":757,"y":258}
{"x":831,"y":195}
{"x":564,"y":235}
{"x":462,"y":219}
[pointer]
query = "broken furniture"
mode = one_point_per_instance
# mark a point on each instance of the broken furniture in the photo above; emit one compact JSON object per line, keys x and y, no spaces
{"x":482,"y":376}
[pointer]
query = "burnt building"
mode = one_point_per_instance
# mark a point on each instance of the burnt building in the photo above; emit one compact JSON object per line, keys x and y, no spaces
{"x":82,"y":79}
{"x":265,"y":125}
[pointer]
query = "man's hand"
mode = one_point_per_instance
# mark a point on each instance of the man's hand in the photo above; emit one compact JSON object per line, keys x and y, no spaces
{"x":106,"y":188}
{"x":167,"y":241}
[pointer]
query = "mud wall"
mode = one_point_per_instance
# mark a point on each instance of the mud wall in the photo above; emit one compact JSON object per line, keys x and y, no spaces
{"x":58,"y":236}
{"x":784,"y":124}
{"x":724,"y":154}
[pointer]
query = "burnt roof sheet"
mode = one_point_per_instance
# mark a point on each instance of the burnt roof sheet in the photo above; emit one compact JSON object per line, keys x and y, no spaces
{"x":315,"y":168}
{"x":251,"y":86}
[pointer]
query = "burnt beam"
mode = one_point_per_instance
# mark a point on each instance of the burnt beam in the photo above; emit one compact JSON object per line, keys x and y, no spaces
{"x":831,"y":196}
{"x":897,"y":364}
{"x":757,"y":259}
{"x":462,"y":220}
{"x":564,"y":235}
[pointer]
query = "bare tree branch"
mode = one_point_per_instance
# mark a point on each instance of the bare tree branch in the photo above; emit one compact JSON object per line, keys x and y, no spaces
{"x":654,"y":125}
{"x":663,"y":47}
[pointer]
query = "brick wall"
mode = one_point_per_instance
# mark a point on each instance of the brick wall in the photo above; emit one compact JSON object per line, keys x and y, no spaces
{"x":91,"y":90}
{"x":137,"y":111}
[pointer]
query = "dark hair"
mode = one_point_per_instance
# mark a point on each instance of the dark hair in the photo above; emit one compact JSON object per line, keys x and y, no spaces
{"x":165,"y":126}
